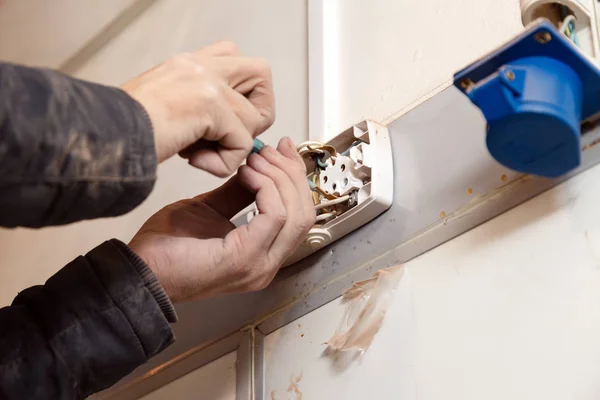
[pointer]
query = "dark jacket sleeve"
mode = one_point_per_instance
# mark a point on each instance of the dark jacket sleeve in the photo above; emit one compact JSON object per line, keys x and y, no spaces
{"x":90,"y":325}
{"x":73,"y":150}
{"x":69,"y":149}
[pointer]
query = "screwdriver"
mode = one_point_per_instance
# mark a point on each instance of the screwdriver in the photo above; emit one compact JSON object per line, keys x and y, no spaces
{"x":257,"y":146}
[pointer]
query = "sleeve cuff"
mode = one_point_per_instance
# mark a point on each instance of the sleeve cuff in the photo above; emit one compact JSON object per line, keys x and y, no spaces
{"x":150,"y":281}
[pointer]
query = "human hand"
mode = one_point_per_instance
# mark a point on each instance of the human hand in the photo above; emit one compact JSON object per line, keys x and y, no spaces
{"x":196,"y":252}
{"x":207,"y":105}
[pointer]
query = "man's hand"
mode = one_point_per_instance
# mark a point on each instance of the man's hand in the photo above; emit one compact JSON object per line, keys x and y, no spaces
{"x":196,"y":252}
{"x":208,"y":106}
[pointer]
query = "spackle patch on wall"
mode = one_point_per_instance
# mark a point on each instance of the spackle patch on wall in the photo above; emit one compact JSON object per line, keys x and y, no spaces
{"x":366,"y":305}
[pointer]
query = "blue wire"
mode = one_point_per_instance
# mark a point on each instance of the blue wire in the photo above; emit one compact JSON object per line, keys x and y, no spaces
{"x":347,"y":151}
{"x":574,"y":37}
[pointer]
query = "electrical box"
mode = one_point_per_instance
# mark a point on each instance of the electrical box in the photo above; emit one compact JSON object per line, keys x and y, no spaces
{"x":352,"y":177}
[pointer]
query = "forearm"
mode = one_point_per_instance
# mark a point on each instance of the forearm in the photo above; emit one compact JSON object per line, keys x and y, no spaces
{"x":69,"y":149}
{"x":91,"y":324}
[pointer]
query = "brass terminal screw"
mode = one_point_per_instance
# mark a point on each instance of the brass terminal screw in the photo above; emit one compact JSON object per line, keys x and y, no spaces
{"x":510,"y":75}
{"x":543,"y":37}
{"x":466,"y":83}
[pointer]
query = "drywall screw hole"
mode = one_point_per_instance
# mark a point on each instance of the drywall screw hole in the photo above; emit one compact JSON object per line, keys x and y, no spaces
{"x":324,"y":179}
{"x":543,"y":37}
{"x":510,"y":75}
{"x":345,"y":182}
{"x":343,"y":167}
{"x":334,"y":186}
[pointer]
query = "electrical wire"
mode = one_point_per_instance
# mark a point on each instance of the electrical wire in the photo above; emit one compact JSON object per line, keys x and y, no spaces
{"x":325,"y":217}
{"x":312,"y":143}
{"x":325,"y":194}
{"x":315,"y":193}
{"x":330,"y":203}
{"x":574,"y":35}
{"x":321,"y":164}
{"x":318,"y":148}
{"x":569,"y":28}
{"x":347,"y":151}
{"x":565,"y":23}
{"x":321,"y":151}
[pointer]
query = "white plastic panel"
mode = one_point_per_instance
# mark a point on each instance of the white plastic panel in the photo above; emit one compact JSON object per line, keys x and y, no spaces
{"x":509,"y":310}
{"x":296,"y":358}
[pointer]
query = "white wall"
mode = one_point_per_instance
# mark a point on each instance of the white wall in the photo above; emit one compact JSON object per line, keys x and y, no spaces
{"x":509,"y":310}
{"x":41,"y":32}
{"x":380,"y":56}
{"x":268,"y":28}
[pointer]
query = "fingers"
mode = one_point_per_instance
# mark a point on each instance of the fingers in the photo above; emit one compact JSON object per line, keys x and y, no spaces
{"x":234,"y":145}
{"x":222,"y":48}
{"x":238,"y":70}
{"x":230,"y":198}
{"x":249,"y":76}
{"x":252,"y":78}
{"x":291,"y":184}
{"x":285,"y":187}
{"x":257,"y":237}
{"x":263,"y":98}
{"x":217,"y":95}
{"x":285,"y":214}
{"x":249,"y":115}
{"x":288,"y":160}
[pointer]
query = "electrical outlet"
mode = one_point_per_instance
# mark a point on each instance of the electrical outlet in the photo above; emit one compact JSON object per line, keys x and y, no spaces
{"x":353,"y":179}
{"x":584,"y":16}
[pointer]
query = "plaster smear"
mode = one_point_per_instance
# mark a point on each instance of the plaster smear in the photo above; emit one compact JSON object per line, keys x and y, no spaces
{"x":366,"y":305}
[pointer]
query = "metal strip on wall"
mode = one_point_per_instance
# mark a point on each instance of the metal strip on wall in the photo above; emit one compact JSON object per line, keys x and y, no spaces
{"x":136,"y":387}
{"x":445,"y":184}
{"x":250,"y":366}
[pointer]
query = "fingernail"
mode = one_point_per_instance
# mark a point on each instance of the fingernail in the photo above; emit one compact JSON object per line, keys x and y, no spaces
{"x":257,"y":158}
{"x":289,"y":142}
{"x":270,"y":149}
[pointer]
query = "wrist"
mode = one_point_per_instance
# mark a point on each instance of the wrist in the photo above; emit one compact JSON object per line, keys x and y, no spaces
{"x":152,"y":123}
{"x":150,"y":280}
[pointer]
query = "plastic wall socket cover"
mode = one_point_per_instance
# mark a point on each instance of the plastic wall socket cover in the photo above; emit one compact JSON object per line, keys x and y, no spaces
{"x":345,"y":176}
{"x":373,"y":198}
